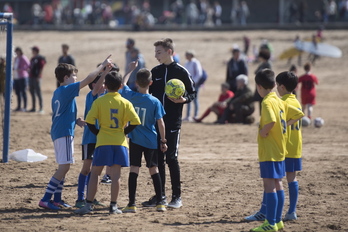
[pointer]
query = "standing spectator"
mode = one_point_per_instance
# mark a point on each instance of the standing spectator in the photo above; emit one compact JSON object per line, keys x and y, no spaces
{"x":20,"y":76}
{"x":65,"y":57}
{"x":37,"y":64}
{"x":192,"y":13}
{"x":37,"y":13}
{"x":293,"y":11}
{"x":203,"y":11}
{"x":243,"y":12}
{"x":177,"y":9}
{"x":332,"y":11}
{"x":217,"y":13}
{"x":264,"y":56}
{"x":246,"y":41}
{"x":130,"y":43}
{"x":135,"y":56}
{"x":235,"y":67}
{"x":302,"y":11}
{"x":195,"y":69}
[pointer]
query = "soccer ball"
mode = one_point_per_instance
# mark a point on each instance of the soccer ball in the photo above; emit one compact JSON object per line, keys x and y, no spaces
{"x":306,"y":121}
{"x":175,"y":88}
{"x":318,"y":122}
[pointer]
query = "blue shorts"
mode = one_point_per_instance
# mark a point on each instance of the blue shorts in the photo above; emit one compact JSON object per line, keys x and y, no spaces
{"x":109,"y":155}
{"x":293,"y":164}
{"x":274,"y":170}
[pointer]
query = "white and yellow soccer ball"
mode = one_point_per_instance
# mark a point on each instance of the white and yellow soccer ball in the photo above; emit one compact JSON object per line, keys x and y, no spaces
{"x":175,"y":88}
{"x":318,"y":122}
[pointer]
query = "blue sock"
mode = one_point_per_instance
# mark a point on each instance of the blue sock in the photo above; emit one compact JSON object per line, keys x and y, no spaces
{"x":293,"y":196}
{"x":58,"y":192}
{"x":87,"y":181}
{"x":50,"y":189}
{"x":280,"y":206}
{"x":271,"y":208}
{"x":81,"y":183}
{"x":263,"y":204}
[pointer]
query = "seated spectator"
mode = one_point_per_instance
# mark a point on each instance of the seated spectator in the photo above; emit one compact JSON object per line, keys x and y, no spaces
{"x":241,"y":106}
{"x":219,"y":106}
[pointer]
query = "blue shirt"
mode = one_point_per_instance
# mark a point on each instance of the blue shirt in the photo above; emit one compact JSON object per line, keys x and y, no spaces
{"x":88,"y":137}
{"x":64,"y":110}
{"x":149,"y":110}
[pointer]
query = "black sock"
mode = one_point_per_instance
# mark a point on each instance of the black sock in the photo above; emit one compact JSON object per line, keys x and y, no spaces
{"x":157,"y":183}
{"x":132,"y":187}
{"x":113,"y":203}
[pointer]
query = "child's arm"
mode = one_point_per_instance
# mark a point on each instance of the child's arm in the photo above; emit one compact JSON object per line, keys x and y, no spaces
{"x":93,"y":128}
{"x":80,"y":122}
{"x":129,"y":129}
{"x":100,"y":82}
{"x":162,"y":131}
{"x":95,"y":73}
{"x":266,"y":129}
{"x":131,"y":67}
{"x":291,"y":121}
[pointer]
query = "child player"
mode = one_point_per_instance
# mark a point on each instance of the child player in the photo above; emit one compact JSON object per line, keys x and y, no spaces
{"x":286,"y":83}
{"x":89,"y":139}
{"x":275,"y":114}
{"x":143,"y":139}
{"x":62,"y":130}
{"x":113,"y":112}
{"x":166,"y":70}
{"x":308,"y":92}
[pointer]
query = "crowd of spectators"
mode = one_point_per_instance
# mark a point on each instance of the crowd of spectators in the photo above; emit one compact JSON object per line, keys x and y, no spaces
{"x":179,"y":12}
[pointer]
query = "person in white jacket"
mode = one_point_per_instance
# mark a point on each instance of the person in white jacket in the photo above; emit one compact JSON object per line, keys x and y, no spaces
{"x":195,"y":69}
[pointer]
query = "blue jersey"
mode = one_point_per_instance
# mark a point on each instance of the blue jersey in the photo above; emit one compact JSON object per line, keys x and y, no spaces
{"x":64,"y":110}
{"x":88,"y":137}
{"x":149,"y":110}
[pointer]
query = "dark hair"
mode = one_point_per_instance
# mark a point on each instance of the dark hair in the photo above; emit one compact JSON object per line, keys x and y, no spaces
{"x":293,"y":68}
{"x":143,"y":77}
{"x":265,"y":54}
{"x":307,"y":67}
{"x":18,"y":49}
{"x":113,"y":81}
{"x":265,"y":78}
{"x":166,"y":43}
{"x":90,"y":85}
{"x":63,"y":70}
{"x":65,"y":46}
{"x":114,"y":67}
{"x":288,"y":79}
{"x":131,"y":41}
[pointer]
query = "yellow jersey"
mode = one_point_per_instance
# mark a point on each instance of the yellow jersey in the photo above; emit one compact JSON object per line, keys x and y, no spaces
{"x":294,"y":134}
{"x":113,"y":112}
{"x":273,"y":109}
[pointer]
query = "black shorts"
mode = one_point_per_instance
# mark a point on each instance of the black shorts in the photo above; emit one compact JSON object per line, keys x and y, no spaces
{"x":88,"y":151}
{"x":136,"y":151}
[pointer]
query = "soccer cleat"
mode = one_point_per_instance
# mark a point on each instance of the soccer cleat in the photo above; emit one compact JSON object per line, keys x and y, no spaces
{"x":62,"y":204}
{"x":160,"y":208}
{"x":84,"y":210}
{"x":175,"y":203}
{"x":48,"y":205}
{"x":98,"y":203}
{"x":266,"y":227}
{"x":290,"y":216}
{"x":106,"y":179}
{"x":129,"y":209}
{"x":114,"y":210}
{"x":80,"y":203}
{"x":258,"y":216}
{"x":152,"y":202}
{"x":280,"y":225}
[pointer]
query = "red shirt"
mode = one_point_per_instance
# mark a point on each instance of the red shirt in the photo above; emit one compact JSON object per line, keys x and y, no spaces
{"x":225,"y":96}
{"x":308,"y":93}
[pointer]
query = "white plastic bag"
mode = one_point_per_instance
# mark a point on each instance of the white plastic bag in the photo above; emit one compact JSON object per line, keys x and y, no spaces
{"x":27,"y":155}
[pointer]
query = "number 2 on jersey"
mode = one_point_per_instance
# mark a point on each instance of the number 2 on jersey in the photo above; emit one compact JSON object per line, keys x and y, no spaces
{"x":113,"y":113}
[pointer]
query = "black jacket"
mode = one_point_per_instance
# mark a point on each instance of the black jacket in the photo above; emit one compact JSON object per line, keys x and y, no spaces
{"x":160,"y":75}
